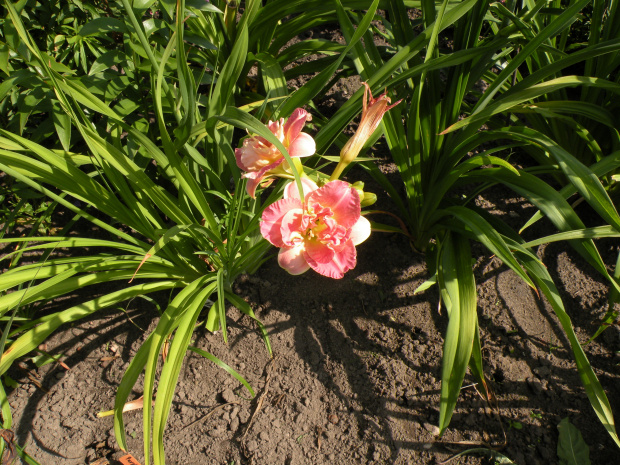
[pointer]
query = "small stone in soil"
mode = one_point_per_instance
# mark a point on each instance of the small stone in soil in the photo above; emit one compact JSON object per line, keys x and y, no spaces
{"x":229,"y":396}
{"x":244,"y":416}
{"x":535,"y":385}
{"x":433,"y":429}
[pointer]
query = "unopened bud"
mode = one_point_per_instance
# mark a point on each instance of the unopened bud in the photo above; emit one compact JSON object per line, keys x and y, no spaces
{"x":368,"y":200}
{"x":373,"y":110}
{"x":359,"y":188}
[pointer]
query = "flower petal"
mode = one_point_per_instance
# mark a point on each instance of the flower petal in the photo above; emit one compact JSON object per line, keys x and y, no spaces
{"x":360,"y":231}
{"x":291,"y":230}
{"x":318,"y":252}
{"x":341,"y":262}
{"x":291,"y":191}
{"x":292,"y":259}
{"x":342,"y":199}
{"x":294,"y":125}
{"x":277,"y":128}
{"x":271,"y":220}
{"x":255,"y":177}
{"x":302,"y":146}
{"x":254,"y":155}
{"x":239,"y":158}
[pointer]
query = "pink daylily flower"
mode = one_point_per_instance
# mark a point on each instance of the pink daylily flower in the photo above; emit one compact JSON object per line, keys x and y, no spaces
{"x":260,"y":158}
{"x":319,"y":233}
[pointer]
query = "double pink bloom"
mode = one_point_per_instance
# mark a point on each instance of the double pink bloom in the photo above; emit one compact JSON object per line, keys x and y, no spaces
{"x":319,"y":233}
{"x":260,"y":158}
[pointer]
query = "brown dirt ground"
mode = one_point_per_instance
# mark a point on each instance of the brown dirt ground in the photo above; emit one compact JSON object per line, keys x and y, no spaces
{"x":355,"y":376}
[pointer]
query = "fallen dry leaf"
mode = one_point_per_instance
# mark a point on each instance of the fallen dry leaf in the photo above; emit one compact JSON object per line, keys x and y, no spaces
{"x":135,"y":404}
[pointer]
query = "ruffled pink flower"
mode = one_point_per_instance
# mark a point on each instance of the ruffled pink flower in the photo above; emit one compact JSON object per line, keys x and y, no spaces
{"x":260,"y":159}
{"x":321,"y":233}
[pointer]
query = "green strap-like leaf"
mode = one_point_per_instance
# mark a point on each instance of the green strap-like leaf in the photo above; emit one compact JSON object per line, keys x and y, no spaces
{"x":552,"y":204}
{"x":602,"y":168}
{"x":171,"y":369}
{"x":147,"y":359}
{"x":568,"y":16}
{"x":572,"y":449}
{"x":458,"y":289}
{"x":515,"y":98}
{"x":225,"y":367}
{"x":597,"y":232}
{"x":584,"y":180}
{"x":594,"y":390}
{"x":309,"y":90}
{"x":32,"y":338}
{"x":489,"y":237}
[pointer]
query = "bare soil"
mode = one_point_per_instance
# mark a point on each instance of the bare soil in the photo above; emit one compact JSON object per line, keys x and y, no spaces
{"x":355,"y":377}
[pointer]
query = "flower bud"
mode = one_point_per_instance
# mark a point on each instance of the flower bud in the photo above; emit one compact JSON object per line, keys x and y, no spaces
{"x":368,"y":200}
{"x":373,"y":110}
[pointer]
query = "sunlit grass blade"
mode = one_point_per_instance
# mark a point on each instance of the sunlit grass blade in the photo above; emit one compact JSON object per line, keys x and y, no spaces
{"x":70,"y":206}
{"x":54,"y":267}
{"x":243,"y":306}
{"x":146,"y":359}
{"x":230,"y":73}
{"x":600,"y":169}
{"x":594,"y":390}
{"x":458,"y":292}
{"x":273,"y":76}
{"x":568,"y":16}
{"x":476,"y":368}
{"x":512,"y":99}
{"x":125,"y":387}
{"x":383,"y":75}
{"x":171,"y":369}
{"x":597,"y":232}
{"x":32,"y":338}
{"x":317,"y":83}
{"x":489,"y":237}
{"x":116,"y":269}
{"x":552,"y":204}
{"x":68,"y":242}
{"x":584,"y":180}
{"x":225,"y":367}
